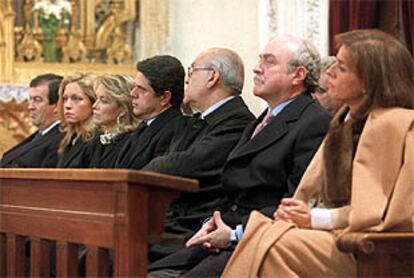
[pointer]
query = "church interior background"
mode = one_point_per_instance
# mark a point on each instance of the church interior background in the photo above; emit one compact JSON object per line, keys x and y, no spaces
{"x":110,"y":36}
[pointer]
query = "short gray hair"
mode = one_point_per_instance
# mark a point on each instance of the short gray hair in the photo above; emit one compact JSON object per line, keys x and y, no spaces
{"x":308,"y":57}
{"x":327,"y":62}
{"x":230,"y":66}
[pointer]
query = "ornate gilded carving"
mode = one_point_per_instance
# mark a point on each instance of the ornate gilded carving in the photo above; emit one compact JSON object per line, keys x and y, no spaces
{"x":120,"y":51}
{"x":75,"y":50}
{"x":15,"y":124}
{"x":29,"y":49}
{"x":95,"y":28}
{"x":6,"y":40}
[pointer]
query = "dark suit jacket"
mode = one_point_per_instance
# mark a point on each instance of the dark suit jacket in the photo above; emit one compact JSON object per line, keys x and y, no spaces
{"x":76,"y":156}
{"x":40,"y":153}
{"x":199,"y":150}
{"x":147,"y":142}
{"x":104,"y":156}
{"x":261,"y":171}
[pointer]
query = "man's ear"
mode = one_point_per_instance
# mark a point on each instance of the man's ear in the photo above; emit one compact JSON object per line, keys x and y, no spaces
{"x":299,"y":75}
{"x":166,"y":98}
{"x":55,"y":109}
{"x":213,"y":78}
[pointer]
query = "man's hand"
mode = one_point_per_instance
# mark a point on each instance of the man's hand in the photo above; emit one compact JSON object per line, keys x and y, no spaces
{"x":294,"y":211}
{"x":213,"y":236}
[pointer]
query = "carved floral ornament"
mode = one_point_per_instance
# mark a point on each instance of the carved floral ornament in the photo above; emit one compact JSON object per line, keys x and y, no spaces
{"x":76,"y":31}
{"x":303,"y":18}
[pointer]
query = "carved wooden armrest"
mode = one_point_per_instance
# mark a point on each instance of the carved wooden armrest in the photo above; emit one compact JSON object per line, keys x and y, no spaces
{"x":366,"y":243}
{"x":380,"y":254}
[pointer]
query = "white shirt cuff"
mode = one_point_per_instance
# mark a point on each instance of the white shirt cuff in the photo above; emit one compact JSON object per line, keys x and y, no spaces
{"x":321,"y":219}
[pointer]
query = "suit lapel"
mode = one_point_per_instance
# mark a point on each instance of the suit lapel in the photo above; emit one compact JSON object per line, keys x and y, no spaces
{"x":190,"y":130}
{"x":274,"y":131}
{"x":127,"y":150}
{"x":143,"y":138}
{"x":28,"y":144}
{"x":17,"y":150}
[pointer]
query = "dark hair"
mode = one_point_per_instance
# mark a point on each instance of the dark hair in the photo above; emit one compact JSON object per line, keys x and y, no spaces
{"x":164,"y":73}
{"x":52,"y":81}
{"x":384,"y":66}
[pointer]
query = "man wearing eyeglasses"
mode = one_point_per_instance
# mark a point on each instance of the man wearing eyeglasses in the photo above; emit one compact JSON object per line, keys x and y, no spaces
{"x":202,"y":142}
{"x":268,"y":161}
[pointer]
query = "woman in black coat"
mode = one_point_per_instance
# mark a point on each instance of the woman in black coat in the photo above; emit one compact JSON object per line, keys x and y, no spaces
{"x":76,"y":97}
{"x":112,"y":114}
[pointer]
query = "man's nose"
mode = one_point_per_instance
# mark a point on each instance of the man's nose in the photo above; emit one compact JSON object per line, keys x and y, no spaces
{"x":133,"y":93}
{"x":257,"y":69}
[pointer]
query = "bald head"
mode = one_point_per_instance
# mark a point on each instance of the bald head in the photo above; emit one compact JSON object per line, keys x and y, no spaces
{"x":228,"y":64}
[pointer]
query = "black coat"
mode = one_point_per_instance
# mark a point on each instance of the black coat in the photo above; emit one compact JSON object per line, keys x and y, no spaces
{"x":76,"y":156}
{"x":39,"y":153}
{"x":147,"y":142}
{"x":199,"y":150}
{"x":104,"y":156}
{"x":259,"y":172}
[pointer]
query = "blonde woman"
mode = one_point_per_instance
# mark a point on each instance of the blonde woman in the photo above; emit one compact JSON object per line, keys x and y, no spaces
{"x":76,"y":97}
{"x":113,"y":115}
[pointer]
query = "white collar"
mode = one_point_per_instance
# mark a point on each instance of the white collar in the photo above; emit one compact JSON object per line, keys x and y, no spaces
{"x":46,"y":130}
{"x":215,"y":106}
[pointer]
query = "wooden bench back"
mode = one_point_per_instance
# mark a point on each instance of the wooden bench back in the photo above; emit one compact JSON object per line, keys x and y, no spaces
{"x":100,"y":210}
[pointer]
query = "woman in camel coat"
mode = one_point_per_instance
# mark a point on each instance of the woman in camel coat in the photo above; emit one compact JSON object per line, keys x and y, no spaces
{"x":362,"y":177}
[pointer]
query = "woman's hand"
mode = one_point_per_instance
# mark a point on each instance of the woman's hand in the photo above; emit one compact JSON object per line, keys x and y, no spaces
{"x":294,"y":211}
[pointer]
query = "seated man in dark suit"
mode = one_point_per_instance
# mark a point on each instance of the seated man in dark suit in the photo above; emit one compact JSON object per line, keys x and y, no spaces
{"x":269,"y":160}
{"x":156,"y":100}
{"x":202,"y":143}
{"x":39,"y":150}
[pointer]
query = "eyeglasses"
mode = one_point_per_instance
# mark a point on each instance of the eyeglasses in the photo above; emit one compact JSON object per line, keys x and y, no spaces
{"x":321,"y":90}
{"x":191,"y":69}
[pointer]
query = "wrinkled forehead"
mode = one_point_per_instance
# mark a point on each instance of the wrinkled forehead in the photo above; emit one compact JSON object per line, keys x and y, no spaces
{"x":282,"y":48}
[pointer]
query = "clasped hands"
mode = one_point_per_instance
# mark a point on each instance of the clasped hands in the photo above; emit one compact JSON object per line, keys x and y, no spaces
{"x":294,"y":211}
{"x":213,"y":235}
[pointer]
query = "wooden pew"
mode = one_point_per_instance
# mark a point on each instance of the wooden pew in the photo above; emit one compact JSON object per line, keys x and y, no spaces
{"x":103,"y":210}
{"x":381,"y":254}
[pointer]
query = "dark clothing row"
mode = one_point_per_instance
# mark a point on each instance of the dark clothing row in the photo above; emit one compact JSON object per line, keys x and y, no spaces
{"x":199,"y":150}
{"x":259,"y":172}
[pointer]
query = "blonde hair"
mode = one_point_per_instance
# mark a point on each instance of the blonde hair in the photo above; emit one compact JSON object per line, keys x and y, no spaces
{"x":118,"y":87}
{"x":86,"y":82}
